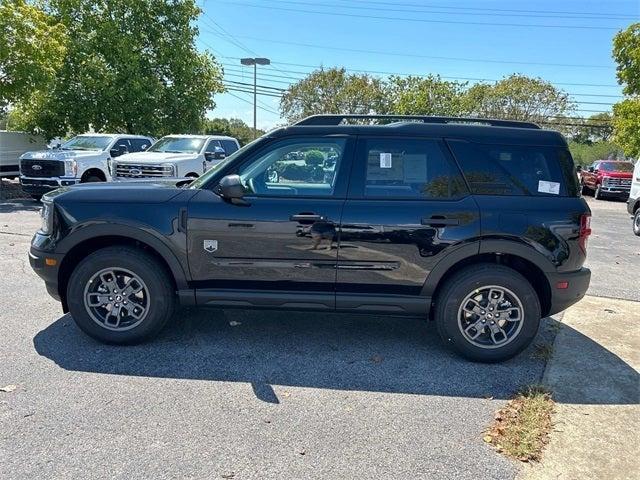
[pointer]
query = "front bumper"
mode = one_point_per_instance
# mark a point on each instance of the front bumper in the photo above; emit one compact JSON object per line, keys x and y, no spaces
{"x":40,"y":186}
{"x":45,"y":270}
{"x":615,"y":190}
{"x":577,"y":286}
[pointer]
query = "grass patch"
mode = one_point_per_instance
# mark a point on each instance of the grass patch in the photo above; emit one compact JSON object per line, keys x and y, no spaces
{"x":521,"y":428}
{"x":543,"y":351}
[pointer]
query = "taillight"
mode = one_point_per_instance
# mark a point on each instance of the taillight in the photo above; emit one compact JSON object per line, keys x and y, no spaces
{"x":585,"y":231}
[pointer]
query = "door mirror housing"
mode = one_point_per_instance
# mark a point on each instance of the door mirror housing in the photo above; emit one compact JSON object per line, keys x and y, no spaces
{"x":591,"y":169}
{"x":217,"y":154}
{"x":118,"y":150}
{"x":579,"y":168}
{"x":231,"y":188}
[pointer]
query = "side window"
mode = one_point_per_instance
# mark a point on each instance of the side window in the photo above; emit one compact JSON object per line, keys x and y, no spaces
{"x":229,"y":146}
{"x":409,"y":168}
{"x":513,"y":169}
{"x":300,"y":167}
{"x":211,"y":147}
{"x":123,"y":145}
{"x":139,"y":144}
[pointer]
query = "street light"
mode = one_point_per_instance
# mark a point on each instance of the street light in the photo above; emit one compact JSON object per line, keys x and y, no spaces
{"x":255,"y":62}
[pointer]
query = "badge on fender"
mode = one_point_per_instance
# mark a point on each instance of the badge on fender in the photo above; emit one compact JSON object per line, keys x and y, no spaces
{"x":210,"y":245}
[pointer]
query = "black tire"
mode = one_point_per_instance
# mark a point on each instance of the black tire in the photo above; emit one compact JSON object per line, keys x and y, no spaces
{"x":636,"y":222}
{"x":161,"y":296}
{"x":597,"y":194}
{"x":467,"y":281}
{"x":585,"y":190}
{"x":91,"y":179}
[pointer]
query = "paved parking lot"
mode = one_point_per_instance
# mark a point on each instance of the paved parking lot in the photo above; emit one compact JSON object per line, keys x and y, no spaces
{"x":235,"y":394}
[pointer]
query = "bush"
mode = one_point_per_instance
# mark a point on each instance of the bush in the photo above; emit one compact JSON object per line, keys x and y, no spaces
{"x":585,"y":154}
{"x":314,"y":158}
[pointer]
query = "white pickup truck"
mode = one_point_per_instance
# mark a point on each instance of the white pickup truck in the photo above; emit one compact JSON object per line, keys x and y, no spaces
{"x":84,"y":158}
{"x":12,"y":146}
{"x":175,"y":156}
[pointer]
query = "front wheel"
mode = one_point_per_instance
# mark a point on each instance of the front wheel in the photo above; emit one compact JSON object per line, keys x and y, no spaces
{"x":636,"y":222}
{"x":487,"y":313}
{"x":598,"y":193}
{"x":120,"y":295}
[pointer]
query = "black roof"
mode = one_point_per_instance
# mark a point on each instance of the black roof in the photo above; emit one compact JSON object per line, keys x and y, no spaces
{"x":472,"y":129}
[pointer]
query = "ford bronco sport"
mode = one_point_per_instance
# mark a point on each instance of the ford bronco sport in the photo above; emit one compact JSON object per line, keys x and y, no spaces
{"x":475,"y":224}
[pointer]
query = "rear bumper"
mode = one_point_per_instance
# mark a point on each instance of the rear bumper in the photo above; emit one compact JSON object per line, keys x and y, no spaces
{"x":563,"y":298}
{"x":40,"y":186}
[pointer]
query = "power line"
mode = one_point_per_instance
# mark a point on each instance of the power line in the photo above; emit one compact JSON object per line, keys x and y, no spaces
{"x":419,"y":20}
{"x":251,"y":103}
{"x":458,"y":11}
{"x":416,"y":55}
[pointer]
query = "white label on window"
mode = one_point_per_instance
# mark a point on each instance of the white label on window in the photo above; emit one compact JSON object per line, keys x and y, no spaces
{"x":549,"y":187}
{"x":385,"y":160}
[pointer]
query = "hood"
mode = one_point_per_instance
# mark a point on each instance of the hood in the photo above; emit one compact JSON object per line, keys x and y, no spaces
{"x":156,"y":191}
{"x":154,"y":157}
{"x":61,"y":154}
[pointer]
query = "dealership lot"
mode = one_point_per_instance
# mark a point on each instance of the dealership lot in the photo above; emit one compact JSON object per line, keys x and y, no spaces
{"x":239,"y":394}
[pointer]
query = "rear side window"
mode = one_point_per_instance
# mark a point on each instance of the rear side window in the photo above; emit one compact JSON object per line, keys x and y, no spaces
{"x":229,"y":146}
{"x":409,"y":168}
{"x":139,"y":144}
{"x":516,"y":169}
{"x":213,"y":144}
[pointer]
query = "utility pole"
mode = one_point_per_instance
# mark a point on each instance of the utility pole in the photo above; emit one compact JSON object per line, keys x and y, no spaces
{"x":255,"y":62}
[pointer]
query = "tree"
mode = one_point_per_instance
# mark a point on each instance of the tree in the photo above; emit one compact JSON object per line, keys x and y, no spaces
{"x":518,"y":97}
{"x":596,"y":128}
{"x":426,"y":96}
{"x":626,"y":114}
{"x":130,"y":67}
{"x":32,"y":48}
{"x":233,"y":127}
{"x":332,"y":91}
{"x":586,"y":153}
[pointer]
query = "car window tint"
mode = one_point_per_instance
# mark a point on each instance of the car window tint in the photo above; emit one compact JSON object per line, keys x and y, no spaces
{"x":409,"y":168}
{"x":229,"y":146}
{"x":300,"y":167}
{"x":211,"y":147}
{"x":515,"y":169}
{"x":139,"y":144}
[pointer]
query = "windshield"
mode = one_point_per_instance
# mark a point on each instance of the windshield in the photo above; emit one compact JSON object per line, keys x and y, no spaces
{"x":616,"y":166}
{"x":200,"y":181}
{"x":87,"y":143}
{"x":177,"y":145}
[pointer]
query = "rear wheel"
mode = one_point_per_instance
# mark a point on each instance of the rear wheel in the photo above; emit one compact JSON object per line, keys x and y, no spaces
{"x":585,"y":190}
{"x":487,"y":313}
{"x":636,"y":222}
{"x":120,"y":295}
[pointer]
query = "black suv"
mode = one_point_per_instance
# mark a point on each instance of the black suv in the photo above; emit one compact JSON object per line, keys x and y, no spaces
{"x":475,"y":224}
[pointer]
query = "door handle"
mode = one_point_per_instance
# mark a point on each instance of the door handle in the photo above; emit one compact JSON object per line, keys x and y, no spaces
{"x":435,"y":221}
{"x":309,"y":217}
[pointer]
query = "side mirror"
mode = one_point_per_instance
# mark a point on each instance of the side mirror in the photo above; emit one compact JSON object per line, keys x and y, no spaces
{"x":231,"y":188}
{"x":591,"y":169}
{"x":118,"y":150}
{"x":217,"y":154}
{"x":579,"y":168}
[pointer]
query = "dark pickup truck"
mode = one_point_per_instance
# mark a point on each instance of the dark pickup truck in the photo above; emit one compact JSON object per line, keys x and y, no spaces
{"x":475,"y":224}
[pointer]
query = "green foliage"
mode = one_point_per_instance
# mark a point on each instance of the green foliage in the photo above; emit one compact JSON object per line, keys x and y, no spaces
{"x":130,"y":67}
{"x":518,"y":97}
{"x":332,"y":91}
{"x":32,"y":48}
{"x":314,"y":158}
{"x":626,"y":53}
{"x":585,"y":154}
{"x":596,"y":128}
{"x":626,"y":123}
{"x":426,"y":96}
{"x":233,"y":127}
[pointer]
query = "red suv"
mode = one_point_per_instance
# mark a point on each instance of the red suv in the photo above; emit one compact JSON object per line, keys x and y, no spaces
{"x":607,"y":178}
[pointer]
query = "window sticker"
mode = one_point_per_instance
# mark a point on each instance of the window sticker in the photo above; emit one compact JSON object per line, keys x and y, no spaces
{"x":385,"y":160}
{"x":548,"y":187}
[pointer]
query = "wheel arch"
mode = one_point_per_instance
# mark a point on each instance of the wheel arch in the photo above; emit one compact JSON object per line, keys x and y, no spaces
{"x":93,"y":171}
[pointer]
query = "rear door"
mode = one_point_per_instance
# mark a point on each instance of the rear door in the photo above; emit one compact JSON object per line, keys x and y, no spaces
{"x":279,"y":247}
{"x":407,"y":208}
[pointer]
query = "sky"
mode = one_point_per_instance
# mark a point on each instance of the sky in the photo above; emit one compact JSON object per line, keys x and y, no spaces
{"x":567,"y":42}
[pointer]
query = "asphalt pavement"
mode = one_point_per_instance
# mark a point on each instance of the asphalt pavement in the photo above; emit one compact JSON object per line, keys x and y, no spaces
{"x":241,"y":394}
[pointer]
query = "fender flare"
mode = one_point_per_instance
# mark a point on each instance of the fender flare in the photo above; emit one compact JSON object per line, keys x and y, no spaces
{"x":143,"y":234}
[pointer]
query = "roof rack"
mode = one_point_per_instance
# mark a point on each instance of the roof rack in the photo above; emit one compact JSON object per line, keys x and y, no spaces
{"x":338,"y":119}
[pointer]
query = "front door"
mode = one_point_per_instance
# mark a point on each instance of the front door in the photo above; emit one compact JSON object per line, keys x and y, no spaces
{"x":407,"y":207}
{"x":279,"y":248}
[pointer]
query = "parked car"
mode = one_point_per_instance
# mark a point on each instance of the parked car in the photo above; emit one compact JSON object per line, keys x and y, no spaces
{"x":478,"y":226}
{"x":610,"y":178}
{"x":12,"y":146}
{"x":175,"y":156}
{"x":633,"y":203}
{"x":84,"y":158}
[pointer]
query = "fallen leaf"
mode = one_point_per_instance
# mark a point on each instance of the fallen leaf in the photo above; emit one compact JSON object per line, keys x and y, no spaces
{"x":233,"y":323}
{"x":286,"y":394}
{"x":301,"y":451}
{"x":487,"y":438}
{"x":8,"y":388}
{"x":228,"y":475}
{"x":608,"y":310}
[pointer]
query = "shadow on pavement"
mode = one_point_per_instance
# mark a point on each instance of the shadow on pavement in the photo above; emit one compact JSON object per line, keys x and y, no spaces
{"x":19,"y":205}
{"x":346,"y":352}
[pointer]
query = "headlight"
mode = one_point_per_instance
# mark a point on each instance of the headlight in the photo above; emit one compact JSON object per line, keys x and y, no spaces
{"x":70,"y":168}
{"x":46,"y":217}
